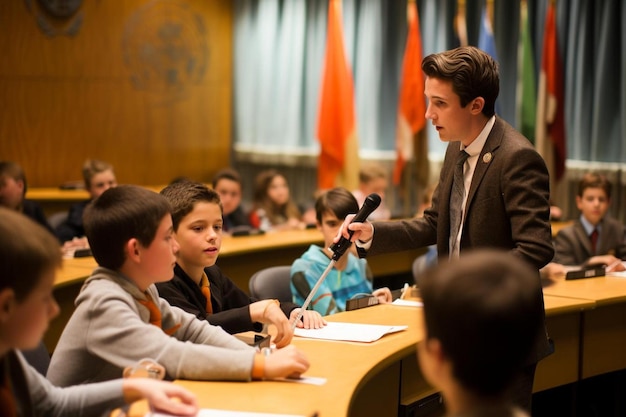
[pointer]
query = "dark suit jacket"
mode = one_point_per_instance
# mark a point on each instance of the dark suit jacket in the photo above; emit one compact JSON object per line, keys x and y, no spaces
{"x":33,"y":210}
{"x":507,"y":208}
{"x":507,"y":204}
{"x":573,"y":247}
{"x":73,"y":226}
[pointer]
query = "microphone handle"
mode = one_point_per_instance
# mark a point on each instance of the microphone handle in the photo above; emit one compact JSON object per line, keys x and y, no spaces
{"x":308,"y":299}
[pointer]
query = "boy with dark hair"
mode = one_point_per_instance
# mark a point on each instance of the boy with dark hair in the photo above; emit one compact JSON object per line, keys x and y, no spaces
{"x":482,"y":314}
{"x":227,"y":183}
{"x":200,"y":287}
{"x":29,"y":258}
{"x":595,"y":238}
{"x":120,"y":318}
{"x":13,"y":193}
{"x":349,"y":277}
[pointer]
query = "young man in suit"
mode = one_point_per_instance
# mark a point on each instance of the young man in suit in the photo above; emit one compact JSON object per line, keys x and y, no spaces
{"x":496,"y":196}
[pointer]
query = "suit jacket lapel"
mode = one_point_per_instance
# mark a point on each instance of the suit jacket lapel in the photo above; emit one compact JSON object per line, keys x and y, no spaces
{"x":491,"y":144}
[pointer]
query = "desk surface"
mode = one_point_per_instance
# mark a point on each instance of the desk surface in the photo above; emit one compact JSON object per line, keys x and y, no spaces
{"x":602,"y":290}
{"x":345,"y":365}
{"x":241,"y":245}
{"x":358,"y":362}
{"x":561,"y":305}
{"x":55,"y":194}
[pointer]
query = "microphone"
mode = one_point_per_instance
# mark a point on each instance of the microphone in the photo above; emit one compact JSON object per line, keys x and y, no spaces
{"x":370,"y":204}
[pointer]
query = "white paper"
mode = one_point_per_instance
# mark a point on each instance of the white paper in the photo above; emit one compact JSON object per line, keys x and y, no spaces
{"x":311,"y":380}
{"x":210,"y":412}
{"x":407,"y":303}
{"x":351,"y":332}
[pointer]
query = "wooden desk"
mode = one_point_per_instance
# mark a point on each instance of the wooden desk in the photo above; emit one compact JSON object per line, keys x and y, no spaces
{"x":563,"y":321}
{"x":54,"y":199}
{"x":362,"y":378}
{"x":604,"y":327}
{"x":558,"y":225}
{"x":371,"y":379}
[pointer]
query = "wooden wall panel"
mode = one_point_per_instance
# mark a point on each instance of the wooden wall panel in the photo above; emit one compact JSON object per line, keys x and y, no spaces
{"x":64,"y":98}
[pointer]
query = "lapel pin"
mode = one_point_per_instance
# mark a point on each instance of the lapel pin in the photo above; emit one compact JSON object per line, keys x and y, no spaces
{"x":487,"y":157}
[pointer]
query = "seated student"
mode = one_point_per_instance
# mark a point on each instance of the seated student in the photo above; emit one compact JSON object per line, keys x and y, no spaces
{"x":373,"y":178}
{"x":273,"y":208}
{"x":13,"y":191}
{"x":349,"y":277}
{"x":227,"y":183}
{"x":98,"y":177}
{"x":482,"y":314}
{"x":120,"y":318}
{"x":200,"y":287}
{"x":29,"y":259}
{"x":595,"y":237}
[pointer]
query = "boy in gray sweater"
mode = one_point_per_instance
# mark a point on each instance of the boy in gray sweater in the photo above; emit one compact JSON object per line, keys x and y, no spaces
{"x":120,"y":319}
{"x":29,"y":259}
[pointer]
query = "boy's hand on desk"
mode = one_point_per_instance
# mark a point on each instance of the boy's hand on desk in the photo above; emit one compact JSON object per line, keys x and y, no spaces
{"x":269,"y":312}
{"x":76,"y":243}
{"x":310,"y":319}
{"x":383,"y":295}
{"x":163,"y":396}
{"x":287,"y":362}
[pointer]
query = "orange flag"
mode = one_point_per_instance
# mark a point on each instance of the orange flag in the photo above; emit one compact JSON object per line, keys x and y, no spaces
{"x":336,"y":130}
{"x":550,"y":128}
{"x":412,"y":105}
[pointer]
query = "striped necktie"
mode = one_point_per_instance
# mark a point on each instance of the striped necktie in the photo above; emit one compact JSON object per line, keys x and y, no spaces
{"x":456,"y":201}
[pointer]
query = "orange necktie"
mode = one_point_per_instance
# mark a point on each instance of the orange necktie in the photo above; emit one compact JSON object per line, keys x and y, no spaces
{"x":205,"y":287}
{"x":155,"y":314}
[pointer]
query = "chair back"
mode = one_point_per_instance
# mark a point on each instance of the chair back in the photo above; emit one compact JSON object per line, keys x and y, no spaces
{"x":272,"y":282}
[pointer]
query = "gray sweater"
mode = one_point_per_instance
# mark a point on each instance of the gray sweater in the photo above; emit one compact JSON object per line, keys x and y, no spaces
{"x":40,"y":398}
{"x":110,"y":330}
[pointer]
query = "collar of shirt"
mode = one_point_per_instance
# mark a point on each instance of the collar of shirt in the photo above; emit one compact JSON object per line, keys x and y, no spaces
{"x":588,"y":226}
{"x":477,"y":144}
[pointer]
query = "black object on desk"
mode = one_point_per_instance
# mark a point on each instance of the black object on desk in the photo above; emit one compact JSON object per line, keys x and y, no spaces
{"x":361,"y":302}
{"x":82,"y":253}
{"x":589,"y":272}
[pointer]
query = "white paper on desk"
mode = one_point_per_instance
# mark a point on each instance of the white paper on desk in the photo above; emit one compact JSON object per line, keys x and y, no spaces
{"x":407,"y":303}
{"x":351,"y":332}
{"x":206,"y":412}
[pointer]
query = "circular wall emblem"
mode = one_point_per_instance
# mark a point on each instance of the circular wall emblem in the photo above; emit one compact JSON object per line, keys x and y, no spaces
{"x":165,"y":48}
